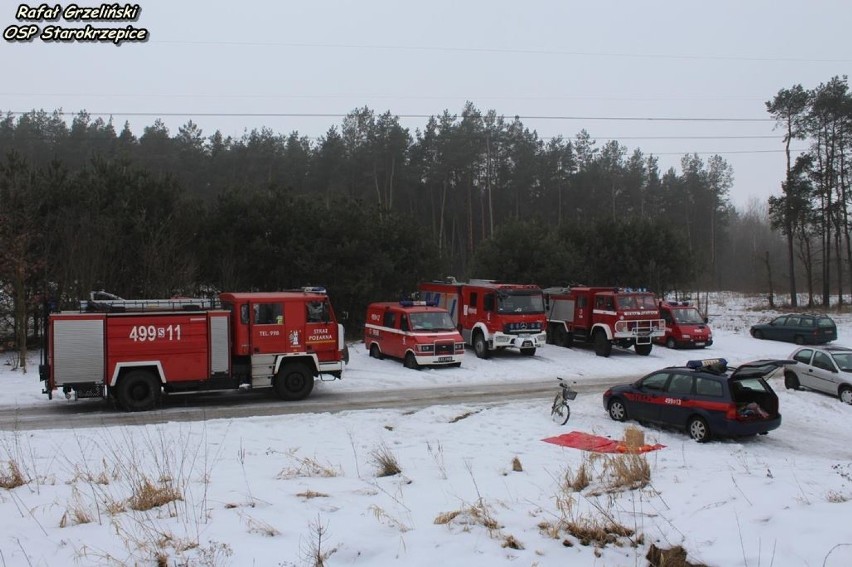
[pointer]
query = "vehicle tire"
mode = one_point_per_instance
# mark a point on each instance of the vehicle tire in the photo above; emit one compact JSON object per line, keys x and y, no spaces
{"x":480,"y":347}
{"x":845,"y":394}
{"x":602,"y":345}
{"x":698,"y":429}
{"x":757,"y":334}
{"x":670,"y":343}
{"x":375,"y":352}
{"x":643,"y":350}
{"x":799,"y":340}
{"x":617,"y":410}
{"x":528,"y":351}
{"x":560,"y":412}
{"x":791,"y":381}
{"x":293,"y":382}
{"x":138,"y":390}
{"x":410,"y":361}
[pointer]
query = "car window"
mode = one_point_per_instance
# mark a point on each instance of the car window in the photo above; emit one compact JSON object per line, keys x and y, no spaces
{"x":807,"y":322}
{"x":655,"y":381}
{"x":804,"y":356}
{"x":793,"y":321}
{"x":822,"y":360}
{"x":680,"y":384}
{"x":825,"y":322}
{"x":780,"y":320}
{"x":843,"y":360}
{"x":750,"y":384}
{"x":708,"y":387}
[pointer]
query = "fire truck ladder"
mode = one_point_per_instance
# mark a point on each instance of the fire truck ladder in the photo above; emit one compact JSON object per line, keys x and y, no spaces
{"x":105,"y":302}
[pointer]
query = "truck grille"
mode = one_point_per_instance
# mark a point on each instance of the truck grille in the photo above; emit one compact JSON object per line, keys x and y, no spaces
{"x":644,"y":328}
{"x":444,"y":348}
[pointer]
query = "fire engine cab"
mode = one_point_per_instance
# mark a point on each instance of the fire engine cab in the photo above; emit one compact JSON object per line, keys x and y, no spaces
{"x":491,"y":315}
{"x":604,"y":316}
{"x":685,"y":327}
{"x":416,"y":332}
{"x":134,"y":350}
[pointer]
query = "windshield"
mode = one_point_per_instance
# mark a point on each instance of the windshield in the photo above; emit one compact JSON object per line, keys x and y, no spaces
{"x":687,"y":316}
{"x":636,"y":301}
{"x":433,"y":321}
{"x":520,"y":302}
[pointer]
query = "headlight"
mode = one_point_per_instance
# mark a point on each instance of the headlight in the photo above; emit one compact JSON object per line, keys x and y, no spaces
{"x":426,"y":348}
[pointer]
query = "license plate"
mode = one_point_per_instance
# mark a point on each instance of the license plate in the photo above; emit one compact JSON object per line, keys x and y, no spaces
{"x":699,"y":344}
{"x":445,"y":359}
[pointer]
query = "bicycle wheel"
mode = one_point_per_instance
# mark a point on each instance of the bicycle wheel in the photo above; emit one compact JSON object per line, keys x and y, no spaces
{"x":560,"y":412}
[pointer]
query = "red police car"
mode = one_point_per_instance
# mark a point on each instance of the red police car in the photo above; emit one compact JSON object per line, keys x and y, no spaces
{"x":705,"y":397}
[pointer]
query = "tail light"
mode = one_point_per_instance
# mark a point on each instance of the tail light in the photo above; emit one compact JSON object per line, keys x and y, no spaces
{"x":731,"y":413}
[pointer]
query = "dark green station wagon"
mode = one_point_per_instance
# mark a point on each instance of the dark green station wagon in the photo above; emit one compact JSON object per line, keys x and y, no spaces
{"x":800,"y":328}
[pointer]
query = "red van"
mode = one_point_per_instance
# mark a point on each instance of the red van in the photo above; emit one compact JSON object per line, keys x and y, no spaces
{"x":415,"y":332}
{"x":685,"y":327}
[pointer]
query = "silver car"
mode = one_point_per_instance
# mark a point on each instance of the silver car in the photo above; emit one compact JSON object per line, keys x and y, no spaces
{"x":825,"y":369}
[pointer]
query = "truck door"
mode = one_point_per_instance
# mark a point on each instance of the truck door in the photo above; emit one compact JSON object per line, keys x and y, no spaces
{"x":391,"y":340}
{"x":320,"y":330}
{"x":267,"y":327}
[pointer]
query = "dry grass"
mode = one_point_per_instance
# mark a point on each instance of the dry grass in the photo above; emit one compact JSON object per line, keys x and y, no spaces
{"x":510,"y":542}
{"x":592,"y":530}
{"x":256,"y":526}
{"x":477,"y":514}
{"x":385,"y":462}
{"x":835,"y":497}
{"x":13,"y":478}
{"x":580,"y":480}
{"x":307,"y":467}
{"x":308,"y":494}
{"x":674,"y":557}
{"x":626,"y":471}
{"x":516,"y":465}
{"x":147,"y":495}
{"x":385,"y":518}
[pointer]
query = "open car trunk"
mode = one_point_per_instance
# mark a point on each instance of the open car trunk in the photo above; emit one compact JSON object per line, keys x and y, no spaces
{"x":754,"y":397}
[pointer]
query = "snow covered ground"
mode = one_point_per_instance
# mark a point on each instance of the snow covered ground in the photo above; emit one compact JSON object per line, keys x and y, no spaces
{"x":477,"y":486}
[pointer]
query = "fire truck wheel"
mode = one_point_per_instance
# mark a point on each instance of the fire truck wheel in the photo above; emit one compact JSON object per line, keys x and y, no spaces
{"x":375,"y":352}
{"x":643,"y":350}
{"x":138,"y":390}
{"x":480,"y":347}
{"x":410,"y":361}
{"x":670,"y":343}
{"x":293,"y":382}
{"x":602,"y":345}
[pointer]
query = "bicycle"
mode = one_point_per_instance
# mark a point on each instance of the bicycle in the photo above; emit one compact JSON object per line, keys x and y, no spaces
{"x":560,"y":412}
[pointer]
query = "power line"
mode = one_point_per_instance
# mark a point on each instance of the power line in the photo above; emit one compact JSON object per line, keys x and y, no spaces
{"x":422,"y":116}
{"x":388,"y":96}
{"x":502,"y":51}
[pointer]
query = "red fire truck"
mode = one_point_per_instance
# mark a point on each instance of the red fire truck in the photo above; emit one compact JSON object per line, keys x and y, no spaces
{"x":491,"y":315}
{"x":417,"y":332}
{"x":685,"y":327}
{"x":604,"y":316}
{"x":133,"y":351}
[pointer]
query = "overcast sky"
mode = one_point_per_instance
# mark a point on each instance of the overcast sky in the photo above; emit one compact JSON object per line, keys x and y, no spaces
{"x":562,"y":66}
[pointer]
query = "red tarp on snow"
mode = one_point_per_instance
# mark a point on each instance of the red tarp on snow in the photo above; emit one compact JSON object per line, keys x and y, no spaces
{"x":587,"y":442}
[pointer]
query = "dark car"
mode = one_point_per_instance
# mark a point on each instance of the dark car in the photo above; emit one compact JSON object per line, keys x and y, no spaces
{"x":825,"y":369}
{"x":800,"y":328}
{"x":705,"y":398}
